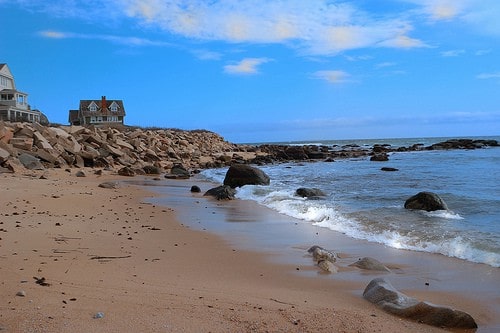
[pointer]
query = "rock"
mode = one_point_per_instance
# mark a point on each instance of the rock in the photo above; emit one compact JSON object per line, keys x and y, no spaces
{"x":370,"y":264}
{"x":380,"y":157}
{"x":4,"y":155}
{"x":320,"y":254}
{"x":112,"y":185}
{"x":98,"y":315}
{"x":382,"y":293}
{"x":80,"y":173}
{"x":21,"y":293}
{"x":240,"y":174}
{"x":151,"y":170}
{"x":327,"y":266}
{"x":178,"y":171}
{"x":389,"y":169}
{"x":426,"y":201}
{"x":195,"y":189}
{"x":30,"y":162}
{"x":126,"y":171}
{"x":309,"y":192}
{"x":223,"y":192}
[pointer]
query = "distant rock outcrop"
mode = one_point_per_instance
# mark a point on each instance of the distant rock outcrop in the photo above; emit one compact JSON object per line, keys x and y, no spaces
{"x":426,"y":201}
{"x":241,"y":174}
{"x":305,"y":192}
{"x":382,"y":293}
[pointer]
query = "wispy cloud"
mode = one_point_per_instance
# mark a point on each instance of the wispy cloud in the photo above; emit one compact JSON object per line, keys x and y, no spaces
{"x":333,"y":76}
{"x":207,"y":55}
{"x":452,"y":53}
{"x":385,"y":65}
{"x":485,"y":76}
{"x":125,"y":40}
{"x":247,"y":66}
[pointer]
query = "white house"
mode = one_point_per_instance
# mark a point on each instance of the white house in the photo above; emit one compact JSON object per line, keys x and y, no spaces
{"x":13,"y":103}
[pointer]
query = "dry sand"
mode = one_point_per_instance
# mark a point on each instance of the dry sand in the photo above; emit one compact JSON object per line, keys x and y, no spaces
{"x":108,"y":251}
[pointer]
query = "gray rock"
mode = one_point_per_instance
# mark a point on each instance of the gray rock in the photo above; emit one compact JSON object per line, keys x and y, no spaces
{"x":21,"y":293}
{"x":126,"y":171}
{"x":309,"y":192}
{"x":426,"y":201}
{"x":221,"y":192}
{"x":112,"y":185}
{"x":241,"y":174}
{"x":30,"y":162}
{"x":370,"y":264}
{"x":151,"y":170}
{"x":320,"y":254}
{"x":195,"y":189}
{"x":80,"y":173}
{"x":382,"y":293}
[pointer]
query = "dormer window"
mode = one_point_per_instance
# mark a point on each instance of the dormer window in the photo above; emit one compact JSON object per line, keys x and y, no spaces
{"x":113,"y":107}
{"x":93,"y":107}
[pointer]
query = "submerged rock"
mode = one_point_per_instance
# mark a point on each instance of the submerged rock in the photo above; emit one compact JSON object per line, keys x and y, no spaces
{"x":382,"y":293}
{"x":426,"y":201}
{"x":309,"y":192}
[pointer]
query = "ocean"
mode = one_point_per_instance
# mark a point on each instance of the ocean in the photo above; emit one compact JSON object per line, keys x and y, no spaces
{"x":366,"y":203}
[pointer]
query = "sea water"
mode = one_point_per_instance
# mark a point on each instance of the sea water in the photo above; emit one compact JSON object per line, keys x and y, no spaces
{"x":364,"y":202}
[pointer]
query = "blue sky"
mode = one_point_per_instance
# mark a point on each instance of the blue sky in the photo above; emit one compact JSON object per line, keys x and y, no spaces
{"x":265,"y":70}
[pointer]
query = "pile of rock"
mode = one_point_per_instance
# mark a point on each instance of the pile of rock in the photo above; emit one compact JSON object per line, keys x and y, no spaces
{"x":31,"y":145}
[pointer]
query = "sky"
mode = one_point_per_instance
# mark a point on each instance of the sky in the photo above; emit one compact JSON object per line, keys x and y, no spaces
{"x":265,"y":70}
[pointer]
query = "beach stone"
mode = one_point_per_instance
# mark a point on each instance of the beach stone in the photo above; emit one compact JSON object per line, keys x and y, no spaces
{"x":370,"y":264}
{"x":241,"y":174}
{"x":21,"y":293}
{"x":221,"y":192}
{"x":30,"y":162}
{"x":426,"y":201}
{"x":382,"y":293}
{"x":80,"y":173}
{"x":151,"y":170}
{"x":309,"y":192}
{"x":126,"y":171}
{"x":112,"y":185}
{"x":389,"y":169}
{"x":327,"y":266}
{"x":320,"y":254}
{"x":99,"y":315}
{"x":195,"y":189}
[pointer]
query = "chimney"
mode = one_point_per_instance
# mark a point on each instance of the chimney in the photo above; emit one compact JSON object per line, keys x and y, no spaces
{"x":103,"y":104}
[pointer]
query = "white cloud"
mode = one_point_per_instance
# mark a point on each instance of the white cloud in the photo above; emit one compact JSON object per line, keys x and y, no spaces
{"x":247,"y":66}
{"x":385,"y":65}
{"x":130,"y":41}
{"x":484,"y":76}
{"x":333,"y":76}
{"x":452,"y":53}
{"x":207,"y":55}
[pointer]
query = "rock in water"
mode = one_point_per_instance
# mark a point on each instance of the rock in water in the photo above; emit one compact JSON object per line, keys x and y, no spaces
{"x":309,"y":192}
{"x":426,"y":201}
{"x":221,"y":193}
{"x":383,"y":294}
{"x":370,"y":264}
{"x":241,"y":174}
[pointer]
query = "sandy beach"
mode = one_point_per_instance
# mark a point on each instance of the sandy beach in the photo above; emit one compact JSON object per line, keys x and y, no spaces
{"x":75,"y":257}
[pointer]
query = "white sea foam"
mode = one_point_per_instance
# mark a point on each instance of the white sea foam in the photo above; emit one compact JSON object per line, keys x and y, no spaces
{"x":445,"y":214}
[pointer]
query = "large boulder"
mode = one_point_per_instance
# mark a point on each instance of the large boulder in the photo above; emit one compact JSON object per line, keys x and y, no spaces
{"x":30,"y":162}
{"x":426,"y":201}
{"x":223,"y":192}
{"x":382,"y":293}
{"x":241,"y":174}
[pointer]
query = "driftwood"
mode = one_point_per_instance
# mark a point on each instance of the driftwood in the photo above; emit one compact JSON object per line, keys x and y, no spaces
{"x":109,"y":257}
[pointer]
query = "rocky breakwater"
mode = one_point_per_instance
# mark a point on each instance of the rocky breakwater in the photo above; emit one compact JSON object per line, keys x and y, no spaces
{"x":33,"y":146}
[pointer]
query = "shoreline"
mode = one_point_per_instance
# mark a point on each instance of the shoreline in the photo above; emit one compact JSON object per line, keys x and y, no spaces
{"x":112,"y":251}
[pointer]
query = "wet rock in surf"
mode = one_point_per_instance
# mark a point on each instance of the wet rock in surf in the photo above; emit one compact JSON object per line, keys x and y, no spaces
{"x":240,"y":174}
{"x":327,"y":266}
{"x":221,"y":192}
{"x":380,"y":157}
{"x":370,"y":264}
{"x":320,"y":254}
{"x":382,"y":293}
{"x":195,"y":189}
{"x":427,"y":201}
{"x":311,"y":193}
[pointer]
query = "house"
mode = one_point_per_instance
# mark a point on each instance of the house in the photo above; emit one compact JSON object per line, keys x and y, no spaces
{"x":13,"y":103}
{"x":98,"y":112}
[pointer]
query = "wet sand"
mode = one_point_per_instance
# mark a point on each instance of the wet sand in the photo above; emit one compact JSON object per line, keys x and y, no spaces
{"x":146,"y":267}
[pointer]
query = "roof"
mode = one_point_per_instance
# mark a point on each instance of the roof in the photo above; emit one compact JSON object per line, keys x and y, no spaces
{"x":84,"y":104}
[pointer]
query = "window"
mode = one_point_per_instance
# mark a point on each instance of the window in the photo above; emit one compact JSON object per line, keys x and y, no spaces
{"x":93,"y":108}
